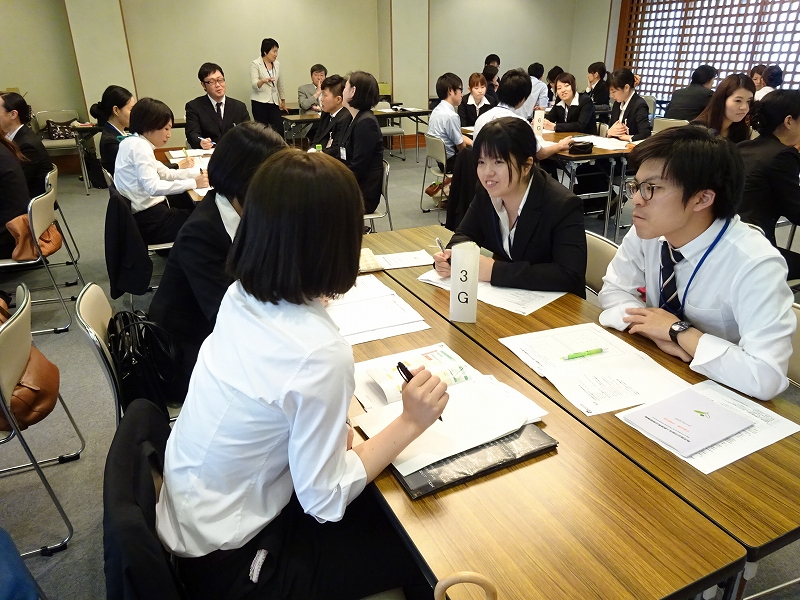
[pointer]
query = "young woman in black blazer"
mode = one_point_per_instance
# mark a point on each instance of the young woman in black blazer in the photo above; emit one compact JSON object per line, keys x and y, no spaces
{"x":13,"y":192}
{"x":539,"y":241}
{"x":598,"y":87}
{"x":632,"y":124}
{"x":113,"y":114}
{"x":362,"y":144}
{"x":476,"y":102}
{"x":15,"y":114}
{"x":573,"y":111}
{"x":728,"y":107}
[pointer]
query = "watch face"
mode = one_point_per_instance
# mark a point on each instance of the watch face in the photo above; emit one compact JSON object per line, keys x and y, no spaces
{"x":677,"y":328}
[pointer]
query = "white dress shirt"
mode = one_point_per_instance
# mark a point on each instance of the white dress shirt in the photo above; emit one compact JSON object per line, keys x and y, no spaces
{"x":562,"y":104}
{"x":271,"y":92}
{"x":763,"y":92}
{"x":538,"y":96}
{"x":144,"y":180}
{"x":739,"y":299}
{"x":214,"y":104}
{"x":506,"y":230}
{"x":230,"y":218}
{"x":265,"y":415}
{"x":445,"y":124}
{"x":501,"y":110}
{"x":10,"y":135}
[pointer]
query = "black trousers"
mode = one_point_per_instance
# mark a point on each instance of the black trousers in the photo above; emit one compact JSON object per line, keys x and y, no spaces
{"x":269,"y":114}
{"x":359,"y":556}
{"x":160,"y":224}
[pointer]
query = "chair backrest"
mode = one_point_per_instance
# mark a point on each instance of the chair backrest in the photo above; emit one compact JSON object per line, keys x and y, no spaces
{"x":385,"y":184}
{"x":662,"y":124}
{"x":651,"y":104}
{"x":108,"y":177}
{"x":382,"y":105}
{"x":435,"y":148}
{"x":602,"y":130}
{"x":59,"y":116}
{"x":600,"y":251}
{"x":42,"y":213}
{"x":51,"y":180}
{"x":794,"y":359}
{"x":15,"y":344}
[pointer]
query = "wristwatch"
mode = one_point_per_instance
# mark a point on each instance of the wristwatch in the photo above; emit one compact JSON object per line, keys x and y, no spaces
{"x":676,"y":328}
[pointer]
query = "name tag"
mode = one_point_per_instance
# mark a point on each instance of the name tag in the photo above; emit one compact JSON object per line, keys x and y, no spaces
{"x":343,"y":153}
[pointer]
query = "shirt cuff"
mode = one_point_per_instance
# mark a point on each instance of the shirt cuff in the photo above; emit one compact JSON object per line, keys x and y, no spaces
{"x":709,"y":348}
{"x":612,"y":317}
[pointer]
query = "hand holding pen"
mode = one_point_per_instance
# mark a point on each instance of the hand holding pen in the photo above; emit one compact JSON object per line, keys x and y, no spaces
{"x":424,"y":396}
{"x":441,"y":260}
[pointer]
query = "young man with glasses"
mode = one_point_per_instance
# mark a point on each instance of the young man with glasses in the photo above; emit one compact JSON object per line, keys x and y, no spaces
{"x":715,"y":292}
{"x":209,"y":117}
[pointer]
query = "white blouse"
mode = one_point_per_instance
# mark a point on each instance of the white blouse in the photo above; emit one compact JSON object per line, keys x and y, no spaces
{"x":268,"y":92}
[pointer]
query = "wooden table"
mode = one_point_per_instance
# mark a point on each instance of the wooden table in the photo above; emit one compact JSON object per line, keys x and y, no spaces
{"x":755,"y":499}
{"x":581,"y":521}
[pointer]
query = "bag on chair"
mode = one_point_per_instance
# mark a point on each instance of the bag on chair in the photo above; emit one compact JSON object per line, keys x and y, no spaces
{"x":145,"y":358}
{"x":19,"y":227}
{"x":35,"y":395}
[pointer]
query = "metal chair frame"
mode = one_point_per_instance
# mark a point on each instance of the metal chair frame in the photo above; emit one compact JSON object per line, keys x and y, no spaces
{"x":51,"y":181}
{"x":434,"y":152}
{"x":385,"y":193}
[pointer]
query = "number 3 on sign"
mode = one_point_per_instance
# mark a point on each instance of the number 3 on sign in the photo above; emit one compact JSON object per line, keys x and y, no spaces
{"x":463,"y":275}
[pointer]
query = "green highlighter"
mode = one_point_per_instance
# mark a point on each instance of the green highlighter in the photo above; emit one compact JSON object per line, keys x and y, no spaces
{"x":582,"y":354}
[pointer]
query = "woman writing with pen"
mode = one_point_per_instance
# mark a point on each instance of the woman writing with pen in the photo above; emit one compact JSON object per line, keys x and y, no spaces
{"x":630,"y":115}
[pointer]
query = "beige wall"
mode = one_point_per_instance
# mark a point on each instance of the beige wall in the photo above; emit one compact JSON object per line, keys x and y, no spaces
{"x":410,"y":52}
{"x":384,"y":41}
{"x":589,"y":35}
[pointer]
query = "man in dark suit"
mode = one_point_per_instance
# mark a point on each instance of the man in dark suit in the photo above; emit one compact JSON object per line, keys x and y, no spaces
{"x":209,"y":117}
{"x":687,"y":103}
{"x":334,"y":119}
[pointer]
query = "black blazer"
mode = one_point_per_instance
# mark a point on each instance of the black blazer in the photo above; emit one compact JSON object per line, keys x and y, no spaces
{"x":599,"y":93}
{"x":331,"y":129}
{"x":363,"y":146}
{"x":38,"y":164}
{"x":14,"y":197}
{"x":202,"y":120}
{"x":579,"y":118}
{"x":109,"y":146}
{"x":127,"y":262}
{"x":469,"y":113}
{"x":687,"y":103}
{"x":771,"y":186}
{"x":549,"y":249}
{"x":636,"y":117}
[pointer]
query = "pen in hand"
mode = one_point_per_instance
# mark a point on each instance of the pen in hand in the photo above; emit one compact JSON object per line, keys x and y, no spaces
{"x":404,"y":372}
{"x":201,"y":138}
{"x":441,"y":247}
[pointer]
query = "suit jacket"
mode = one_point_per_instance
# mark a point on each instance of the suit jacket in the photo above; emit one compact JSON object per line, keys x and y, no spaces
{"x":580,"y":118}
{"x":363,"y":146}
{"x":469,"y":113}
{"x":771,"y":183}
{"x":549,"y":249}
{"x":636,"y":117}
{"x":599,"y":93}
{"x":332,"y":129}
{"x":463,"y":186}
{"x":305,"y":97}
{"x":109,"y":146}
{"x":687,"y":103}
{"x":14,"y":197}
{"x":202,"y":120}
{"x":38,"y":164}
{"x":128,"y":264}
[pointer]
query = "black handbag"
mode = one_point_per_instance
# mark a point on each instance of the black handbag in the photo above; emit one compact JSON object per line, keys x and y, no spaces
{"x":145,"y":357}
{"x":580,"y":147}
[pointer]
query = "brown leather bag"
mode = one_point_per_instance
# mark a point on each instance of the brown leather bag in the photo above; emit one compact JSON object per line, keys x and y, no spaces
{"x":35,"y":395}
{"x":19,"y":227}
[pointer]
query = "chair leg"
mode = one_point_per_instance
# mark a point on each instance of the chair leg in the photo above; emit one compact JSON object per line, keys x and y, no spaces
{"x":63,"y":328}
{"x":69,"y":232}
{"x":388,"y":214}
{"x":84,"y":170}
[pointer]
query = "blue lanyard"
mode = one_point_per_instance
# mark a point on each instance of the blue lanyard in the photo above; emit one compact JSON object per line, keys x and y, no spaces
{"x":697,"y":268}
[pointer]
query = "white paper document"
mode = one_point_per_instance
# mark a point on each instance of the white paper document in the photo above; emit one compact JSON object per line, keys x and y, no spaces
{"x":401,"y":260}
{"x":372,"y":311}
{"x":604,"y":143}
{"x":179,"y":155}
{"x":768,"y":428}
{"x":521,"y":302}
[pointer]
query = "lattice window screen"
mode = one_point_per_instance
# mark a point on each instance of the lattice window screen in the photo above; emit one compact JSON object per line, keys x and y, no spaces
{"x":664,"y":41}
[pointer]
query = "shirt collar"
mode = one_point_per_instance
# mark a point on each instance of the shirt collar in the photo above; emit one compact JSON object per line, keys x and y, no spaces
{"x":573,"y":103}
{"x":214,"y":102}
{"x":471,"y":100}
{"x":501,"y":210}
{"x":230,"y":218}
{"x":114,"y":127}
{"x":144,"y":139}
{"x":333,"y":114}
{"x":692,"y":251}
{"x":10,"y":135}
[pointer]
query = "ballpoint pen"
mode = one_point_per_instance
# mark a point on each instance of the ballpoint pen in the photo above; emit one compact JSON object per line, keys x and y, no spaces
{"x":201,"y":138}
{"x":406,"y":374}
{"x":441,"y":247}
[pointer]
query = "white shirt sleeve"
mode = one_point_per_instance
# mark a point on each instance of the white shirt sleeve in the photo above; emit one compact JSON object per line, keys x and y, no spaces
{"x":625,"y":274}
{"x":155,"y":178}
{"x":279,"y":82}
{"x":543,"y":100}
{"x":255,"y":75}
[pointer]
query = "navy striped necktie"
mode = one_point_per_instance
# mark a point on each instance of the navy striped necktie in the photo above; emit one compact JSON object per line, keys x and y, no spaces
{"x":669,"y":285}
{"x":219,"y":110}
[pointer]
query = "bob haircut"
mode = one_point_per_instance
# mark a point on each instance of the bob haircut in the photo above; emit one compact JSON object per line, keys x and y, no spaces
{"x":13,"y":101}
{"x":568,"y":78}
{"x":599,"y":68}
{"x":553,"y":73}
{"x":300,"y":234}
{"x":620,"y":78}
{"x":772,"y":76}
{"x":536,"y":70}
{"x":318,"y":68}
{"x":366,"y":95}
{"x":115,"y":95}
{"x":238,"y":155}
{"x":696,"y":159}
{"x":477,"y":80}
{"x":334,"y":83}
{"x":149,"y":114}
{"x":714,"y":113}
{"x":515,"y":87}
{"x":757,"y":70}
{"x":772,"y":110}
{"x":703,"y":74}
{"x":207,"y":69}
{"x":267,"y":44}
{"x":507,"y":138}
{"x":446,"y":83}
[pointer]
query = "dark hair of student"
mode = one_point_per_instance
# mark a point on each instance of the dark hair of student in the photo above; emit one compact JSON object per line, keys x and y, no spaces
{"x":599,"y":68}
{"x":13,"y":101}
{"x":207,"y":69}
{"x":115,"y":95}
{"x":757,"y":70}
{"x":769,"y":113}
{"x":507,"y":138}
{"x":267,"y":44}
{"x":490,"y":72}
{"x":334,"y":83}
{"x":536,"y":70}
{"x":620,"y":78}
{"x":12,"y":147}
{"x":300,"y":234}
{"x":553,"y":73}
{"x":492,"y":58}
{"x":515,"y":87}
{"x":696,"y":159}
{"x":149,"y":114}
{"x":447,"y":82}
{"x":318,"y":68}
{"x":714,"y":112}
{"x":568,"y":78}
{"x":772,"y":76}
{"x":238,"y":155}
{"x":366,"y":95}
{"x":703,"y":74}
{"x":477,"y":80}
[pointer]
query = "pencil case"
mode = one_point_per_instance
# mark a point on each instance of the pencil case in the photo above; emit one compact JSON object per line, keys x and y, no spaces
{"x":581,"y":147}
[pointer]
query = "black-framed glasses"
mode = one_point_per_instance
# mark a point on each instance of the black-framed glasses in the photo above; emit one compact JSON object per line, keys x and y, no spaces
{"x":645,"y":188}
{"x":217,"y":81}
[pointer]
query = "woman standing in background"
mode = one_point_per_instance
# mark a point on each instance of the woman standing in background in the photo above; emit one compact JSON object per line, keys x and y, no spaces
{"x":267,"y":98}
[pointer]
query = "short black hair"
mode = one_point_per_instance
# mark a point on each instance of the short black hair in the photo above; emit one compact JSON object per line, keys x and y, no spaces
{"x":536,"y":70}
{"x":301,"y":229}
{"x":620,"y":78}
{"x":268,"y":44}
{"x":569,"y":79}
{"x":149,"y":114}
{"x":238,"y":155}
{"x":114,"y":95}
{"x":515,"y":87}
{"x":492,"y":58}
{"x":318,"y":68}
{"x":334,"y":83}
{"x":366,"y":95}
{"x":772,"y":76}
{"x":696,"y":159}
{"x":207,"y":69}
{"x":703,"y":74}
{"x":447,"y":82}
{"x":490,"y":72}
{"x":13,"y":101}
{"x":772,"y":110}
{"x":506,"y":138}
{"x":553,"y":73}
{"x":599,"y":68}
